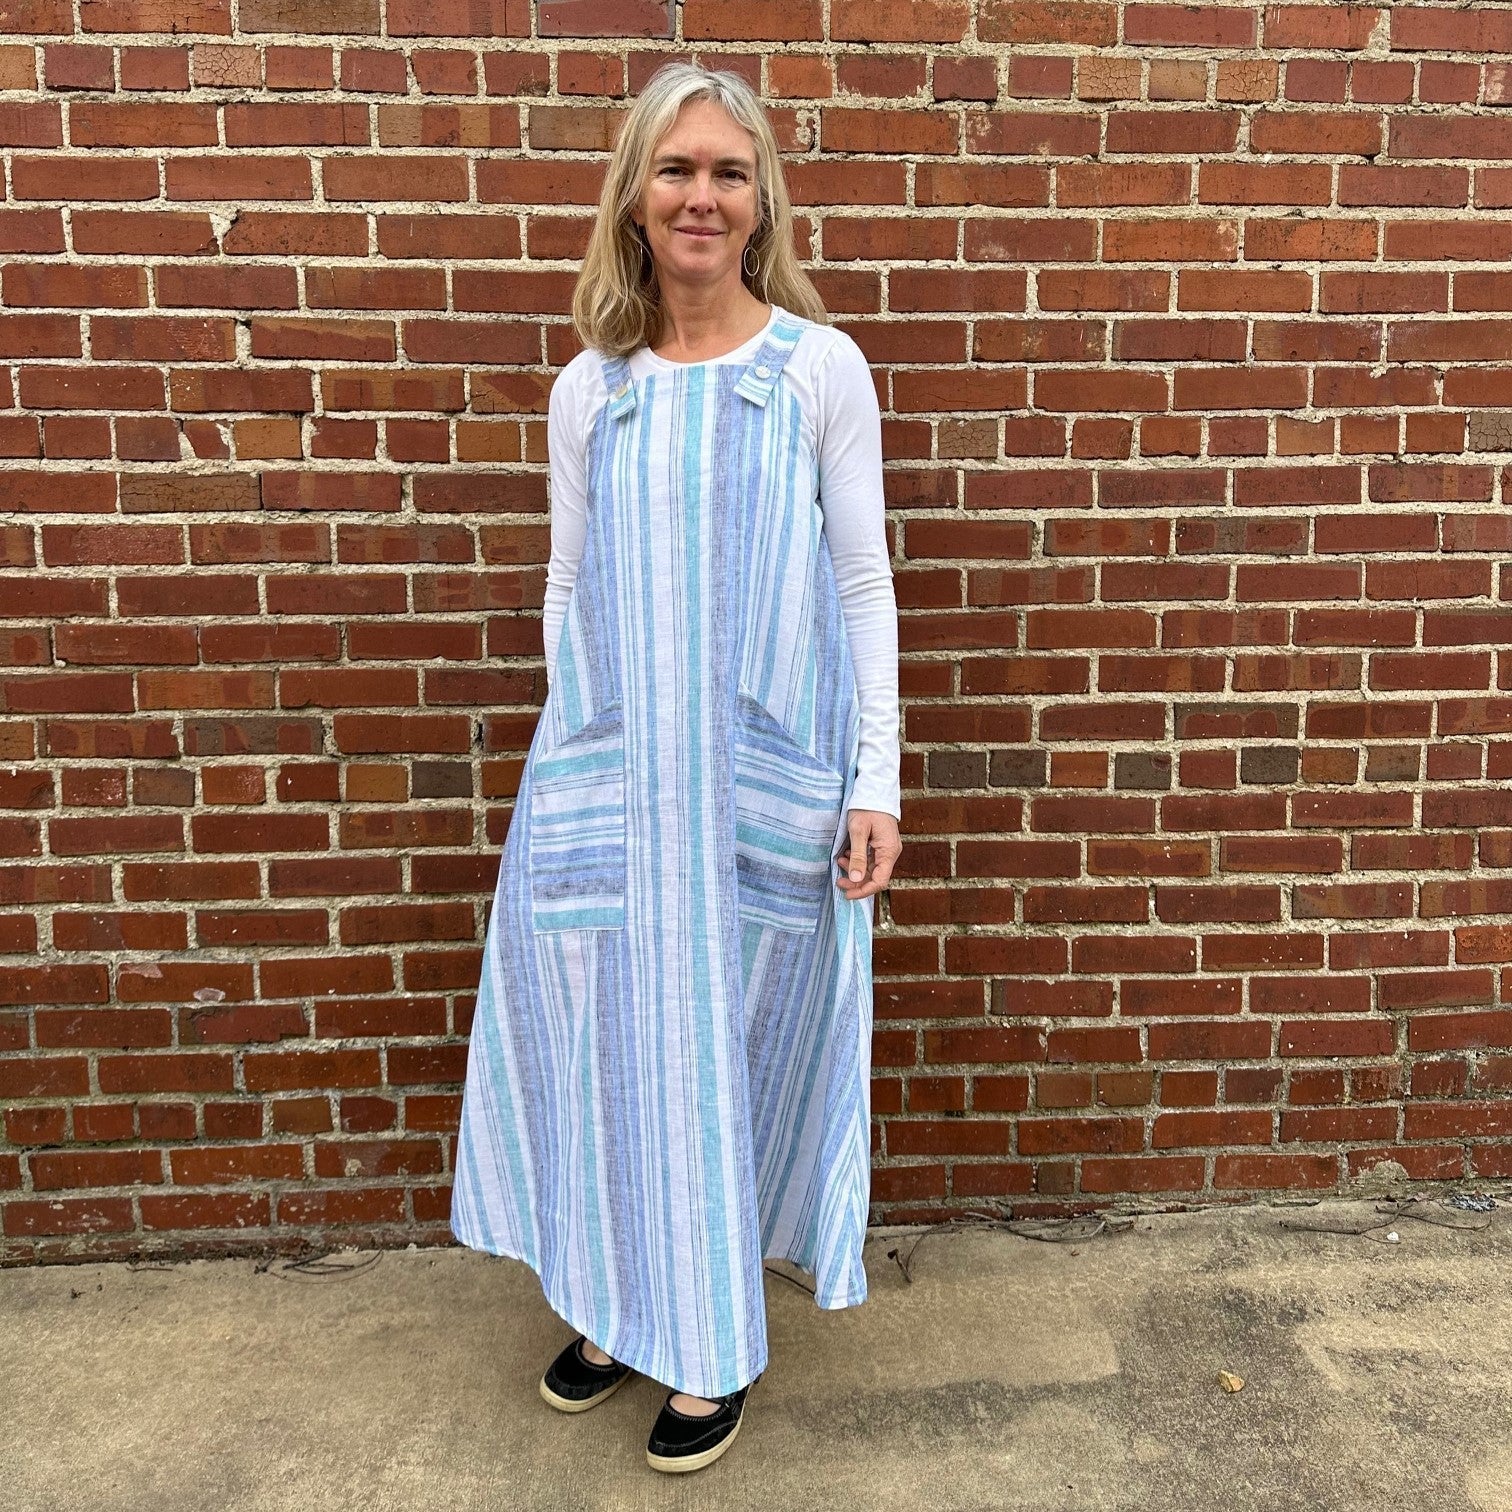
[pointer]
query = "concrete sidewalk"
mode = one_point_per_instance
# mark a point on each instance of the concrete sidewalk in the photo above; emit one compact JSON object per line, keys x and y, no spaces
{"x":1008,"y":1374}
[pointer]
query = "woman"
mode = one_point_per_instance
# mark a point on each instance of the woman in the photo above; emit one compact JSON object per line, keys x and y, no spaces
{"x":668,"y":1076}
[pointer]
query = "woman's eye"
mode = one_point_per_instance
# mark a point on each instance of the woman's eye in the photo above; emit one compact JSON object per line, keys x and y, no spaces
{"x":738,"y":175}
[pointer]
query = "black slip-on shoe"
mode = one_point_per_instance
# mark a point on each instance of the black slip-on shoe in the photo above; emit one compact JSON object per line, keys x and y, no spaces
{"x":686,"y":1441}
{"x":573,"y":1383}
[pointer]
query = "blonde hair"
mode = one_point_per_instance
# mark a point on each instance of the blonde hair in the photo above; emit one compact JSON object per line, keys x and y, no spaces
{"x":616,"y":305}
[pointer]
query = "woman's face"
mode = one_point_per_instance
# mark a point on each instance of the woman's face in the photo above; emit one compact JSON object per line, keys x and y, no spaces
{"x":698,"y":201}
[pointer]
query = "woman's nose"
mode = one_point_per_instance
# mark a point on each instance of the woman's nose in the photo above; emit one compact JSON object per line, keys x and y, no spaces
{"x":701,"y":189}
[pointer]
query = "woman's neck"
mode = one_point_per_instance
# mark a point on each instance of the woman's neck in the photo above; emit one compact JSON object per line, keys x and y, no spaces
{"x":707,"y":323}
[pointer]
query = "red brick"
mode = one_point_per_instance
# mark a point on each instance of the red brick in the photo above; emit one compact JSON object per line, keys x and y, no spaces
{"x":458,"y":18}
{"x":753,"y":20}
{"x":225,"y":288}
{"x":155,"y":68}
{"x":165,"y":1072}
{"x":958,"y":1136}
{"x":218,"y":177}
{"x":79,"y":288}
{"x":71,"y":1216}
{"x":1275,"y":1172}
{"x":362,"y":1115}
{"x":372,"y":70}
{"x":1458,"y":1120}
{"x":515,"y":73}
{"x":95,"y":1168}
{"x":1179,"y":1131}
{"x":1143,"y":1174}
{"x":135,"y":124}
{"x":44,"y":17}
{"x":222,"y":1164}
{"x":30,"y":232}
{"x":298,"y":67}
{"x":1064,"y":1135}
{"x":29,"y":124}
{"x":207,"y":16}
{"x":165,"y":1121}
{"x":287,"y":1070}
{"x":308,"y":124}
{"x":339,"y":1206}
{"x":398,"y":1157}
{"x":36,"y":1126}
{"x":68,"y":66}
{"x":394,"y":177}
{"x":191,"y":1210}
{"x":306,"y":233}
{"x":107,"y":1029}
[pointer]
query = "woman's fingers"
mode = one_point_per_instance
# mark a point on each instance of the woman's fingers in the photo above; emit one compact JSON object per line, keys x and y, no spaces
{"x":886,"y":857}
{"x":858,"y":821}
{"x":874,"y":848}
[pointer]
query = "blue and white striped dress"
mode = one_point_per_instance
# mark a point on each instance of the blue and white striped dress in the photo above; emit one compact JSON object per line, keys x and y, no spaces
{"x":668,"y":1077}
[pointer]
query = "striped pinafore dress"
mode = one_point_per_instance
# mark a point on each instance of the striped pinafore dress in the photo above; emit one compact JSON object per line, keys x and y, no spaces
{"x":668,"y":1076}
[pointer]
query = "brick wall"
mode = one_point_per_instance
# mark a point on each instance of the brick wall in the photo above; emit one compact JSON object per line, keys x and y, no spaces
{"x":1190,"y":327}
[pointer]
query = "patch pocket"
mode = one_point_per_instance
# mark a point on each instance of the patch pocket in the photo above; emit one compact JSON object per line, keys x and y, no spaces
{"x":577,"y":828}
{"x":787,"y":809}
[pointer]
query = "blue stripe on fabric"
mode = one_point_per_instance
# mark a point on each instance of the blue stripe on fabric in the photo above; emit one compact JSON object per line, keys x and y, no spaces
{"x":643,"y":667}
{"x":705,"y":990}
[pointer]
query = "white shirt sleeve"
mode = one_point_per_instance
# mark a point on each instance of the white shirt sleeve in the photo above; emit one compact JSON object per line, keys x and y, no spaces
{"x":848,"y":436}
{"x":567,"y":457}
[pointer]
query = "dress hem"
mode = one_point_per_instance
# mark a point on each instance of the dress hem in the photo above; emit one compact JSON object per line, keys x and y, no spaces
{"x":848,"y":1299}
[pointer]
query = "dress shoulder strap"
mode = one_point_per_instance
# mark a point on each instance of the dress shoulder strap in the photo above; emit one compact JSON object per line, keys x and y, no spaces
{"x":619,"y":384}
{"x":758,"y":380}
{"x":755,"y":383}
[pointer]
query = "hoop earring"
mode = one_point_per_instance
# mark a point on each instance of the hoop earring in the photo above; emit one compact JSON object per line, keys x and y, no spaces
{"x":745,"y":263}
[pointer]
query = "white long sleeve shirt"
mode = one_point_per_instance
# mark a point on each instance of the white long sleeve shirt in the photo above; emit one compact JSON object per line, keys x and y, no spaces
{"x":833,"y":385}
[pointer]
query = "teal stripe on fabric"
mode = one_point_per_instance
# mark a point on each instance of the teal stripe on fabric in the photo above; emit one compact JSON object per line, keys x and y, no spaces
{"x":775,"y":844}
{"x":779,"y":560}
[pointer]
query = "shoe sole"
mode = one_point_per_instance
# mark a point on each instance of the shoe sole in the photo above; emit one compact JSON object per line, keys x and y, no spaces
{"x":676,"y":1463}
{"x":566,"y":1404}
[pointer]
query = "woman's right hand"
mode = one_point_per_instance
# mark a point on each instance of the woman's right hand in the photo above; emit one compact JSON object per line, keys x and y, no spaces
{"x":866,"y":865}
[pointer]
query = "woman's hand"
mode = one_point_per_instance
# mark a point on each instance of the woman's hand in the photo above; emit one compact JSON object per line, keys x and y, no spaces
{"x":866,"y":865}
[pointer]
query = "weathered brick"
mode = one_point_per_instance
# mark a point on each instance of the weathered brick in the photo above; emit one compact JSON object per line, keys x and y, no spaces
{"x":344,"y":18}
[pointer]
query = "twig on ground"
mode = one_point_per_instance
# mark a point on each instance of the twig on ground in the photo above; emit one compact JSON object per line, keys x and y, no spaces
{"x":1419,"y":1206}
{"x":1074,"y":1230}
{"x":325,"y":1265}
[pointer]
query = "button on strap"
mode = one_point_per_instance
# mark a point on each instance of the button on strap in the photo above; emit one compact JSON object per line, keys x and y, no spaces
{"x":757,"y":381}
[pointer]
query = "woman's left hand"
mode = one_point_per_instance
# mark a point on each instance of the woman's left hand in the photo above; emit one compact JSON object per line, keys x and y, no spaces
{"x":866,"y":865}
